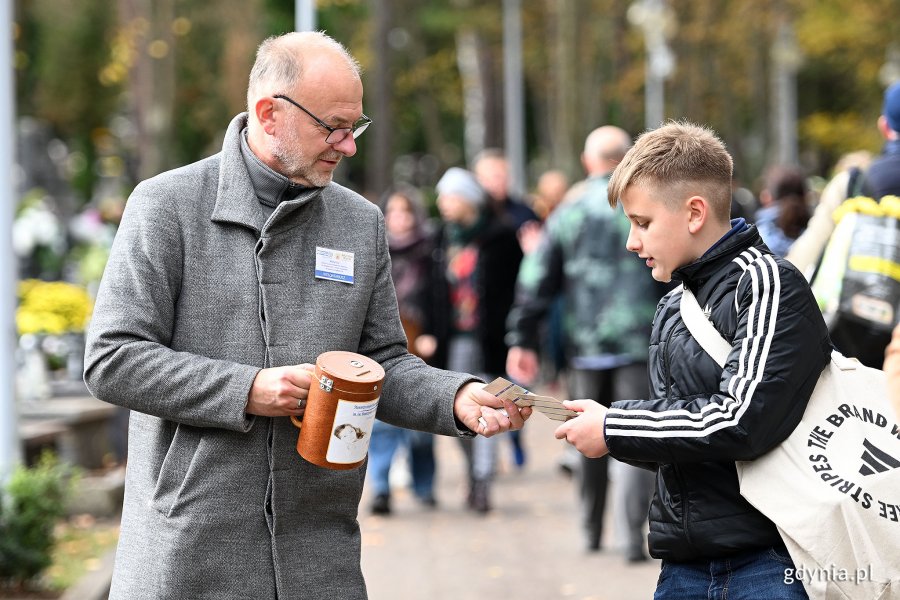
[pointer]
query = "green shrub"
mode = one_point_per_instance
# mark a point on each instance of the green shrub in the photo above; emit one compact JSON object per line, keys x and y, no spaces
{"x":30,"y":507}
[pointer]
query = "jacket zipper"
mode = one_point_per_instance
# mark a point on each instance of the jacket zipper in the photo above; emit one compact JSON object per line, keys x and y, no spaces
{"x":665,"y":372}
{"x":678,"y":476}
{"x":684,"y":504}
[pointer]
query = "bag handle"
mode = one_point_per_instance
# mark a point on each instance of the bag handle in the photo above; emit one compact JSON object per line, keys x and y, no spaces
{"x":701,"y":329}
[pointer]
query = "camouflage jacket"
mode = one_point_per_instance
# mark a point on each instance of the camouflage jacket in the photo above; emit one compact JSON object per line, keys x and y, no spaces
{"x":609,"y":296}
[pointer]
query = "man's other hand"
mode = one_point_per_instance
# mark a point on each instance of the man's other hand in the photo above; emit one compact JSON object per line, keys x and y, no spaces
{"x":280,"y":391}
{"x":480,"y":411}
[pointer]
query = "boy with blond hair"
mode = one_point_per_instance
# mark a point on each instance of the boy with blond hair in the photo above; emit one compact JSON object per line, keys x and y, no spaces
{"x":675,"y":188}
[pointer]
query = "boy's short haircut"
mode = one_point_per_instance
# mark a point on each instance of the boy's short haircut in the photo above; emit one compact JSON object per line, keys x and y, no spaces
{"x":683,"y":159}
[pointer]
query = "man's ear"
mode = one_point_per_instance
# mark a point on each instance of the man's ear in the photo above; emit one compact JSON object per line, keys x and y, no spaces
{"x":885,"y":129}
{"x":698,"y":213}
{"x":265,"y":114}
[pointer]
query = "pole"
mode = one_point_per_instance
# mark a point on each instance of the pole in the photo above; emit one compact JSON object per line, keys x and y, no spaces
{"x":787,"y":58}
{"x":787,"y":117}
{"x":379,"y":164}
{"x":10,"y":451}
{"x":654,"y":98}
{"x":304,"y":15}
{"x":657,"y":21}
{"x":514,"y":97}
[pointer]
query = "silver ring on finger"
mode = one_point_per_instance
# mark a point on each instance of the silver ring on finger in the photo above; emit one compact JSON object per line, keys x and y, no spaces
{"x":301,"y":403}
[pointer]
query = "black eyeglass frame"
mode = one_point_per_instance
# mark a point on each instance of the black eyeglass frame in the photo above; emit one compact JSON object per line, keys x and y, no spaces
{"x":355,"y":130}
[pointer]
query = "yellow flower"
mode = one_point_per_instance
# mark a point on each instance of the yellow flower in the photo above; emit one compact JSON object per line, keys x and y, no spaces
{"x":52,"y":307}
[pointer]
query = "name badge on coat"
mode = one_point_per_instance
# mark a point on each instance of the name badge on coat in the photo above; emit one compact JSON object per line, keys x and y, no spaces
{"x":335,"y":265}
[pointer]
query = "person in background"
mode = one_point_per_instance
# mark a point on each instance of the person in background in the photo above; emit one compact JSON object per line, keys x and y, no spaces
{"x":226,"y":279}
{"x":785,"y":211}
{"x":549,"y":192}
{"x":743,"y":203}
{"x":881,"y":178}
{"x":491,"y":169}
{"x":474,"y":276}
{"x":699,"y":418}
{"x":492,"y":172}
{"x":608,"y":307}
{"x":410,"y":244}
{"x":876,"y":178}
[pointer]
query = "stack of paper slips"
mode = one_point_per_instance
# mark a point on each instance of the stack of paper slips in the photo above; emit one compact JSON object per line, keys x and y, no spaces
{"x":507,"y":390}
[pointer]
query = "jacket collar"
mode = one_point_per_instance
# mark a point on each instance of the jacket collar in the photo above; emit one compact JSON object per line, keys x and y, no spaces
{"x":272,"y":188}
{"x":236,"y":198}
{"x":715,"y":260}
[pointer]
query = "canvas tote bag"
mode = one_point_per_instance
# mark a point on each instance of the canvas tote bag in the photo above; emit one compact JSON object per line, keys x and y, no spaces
{"x":833,"y":486}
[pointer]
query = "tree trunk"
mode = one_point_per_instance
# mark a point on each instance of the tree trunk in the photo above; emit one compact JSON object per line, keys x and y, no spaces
{"x":379,"y":155}
{"x":152,"y":81}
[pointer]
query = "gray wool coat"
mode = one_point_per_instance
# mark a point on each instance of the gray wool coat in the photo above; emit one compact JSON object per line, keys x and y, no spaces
{"x":200,"y":293}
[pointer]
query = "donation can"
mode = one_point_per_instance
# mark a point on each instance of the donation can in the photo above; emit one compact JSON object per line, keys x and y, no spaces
{"x":340,"y":411}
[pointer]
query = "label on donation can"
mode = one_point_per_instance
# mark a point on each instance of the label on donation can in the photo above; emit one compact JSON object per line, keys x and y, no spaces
{"x":352,"y":431}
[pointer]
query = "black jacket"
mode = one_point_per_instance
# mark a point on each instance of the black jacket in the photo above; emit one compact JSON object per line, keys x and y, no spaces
{"x":499,"y":255}
{"x":700,"y":418}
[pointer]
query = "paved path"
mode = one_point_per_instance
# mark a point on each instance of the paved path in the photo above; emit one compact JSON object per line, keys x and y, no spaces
{"x":529,"y":547}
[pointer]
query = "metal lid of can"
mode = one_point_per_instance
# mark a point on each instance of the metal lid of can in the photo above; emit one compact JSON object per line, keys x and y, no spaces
{"x":350,"y":372}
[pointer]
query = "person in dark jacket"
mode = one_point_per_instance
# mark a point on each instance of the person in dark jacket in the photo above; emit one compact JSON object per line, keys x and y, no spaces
{"x":883,"y":175}
{"x":674,"y":186}
{"x":473,"y":283}
{"x":491,"y":169}
{"x":853,"y":337}
{"x":410,"y":246}
{"x":880,"y":178}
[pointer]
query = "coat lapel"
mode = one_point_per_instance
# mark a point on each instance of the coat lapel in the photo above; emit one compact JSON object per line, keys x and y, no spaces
{"x":235,"y":198}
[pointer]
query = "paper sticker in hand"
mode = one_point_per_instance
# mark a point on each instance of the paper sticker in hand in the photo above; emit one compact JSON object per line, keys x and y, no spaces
{"x":551,"y":407}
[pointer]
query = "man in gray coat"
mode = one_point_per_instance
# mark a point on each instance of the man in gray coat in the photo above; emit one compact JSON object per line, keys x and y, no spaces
{"x":212,"y":308}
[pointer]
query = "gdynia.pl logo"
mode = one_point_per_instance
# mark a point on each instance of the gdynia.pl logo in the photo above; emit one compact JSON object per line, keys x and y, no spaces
{"x":831,"y":573}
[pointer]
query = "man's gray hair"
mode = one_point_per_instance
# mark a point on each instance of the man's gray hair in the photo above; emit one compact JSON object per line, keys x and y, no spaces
{"x":279,"y":61}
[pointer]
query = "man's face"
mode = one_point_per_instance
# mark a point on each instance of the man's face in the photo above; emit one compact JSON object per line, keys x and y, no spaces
{"x":492,"y":174}
{"x":456,"y":209}
{"x":302,"y":153}
{"x":659,"y":234}
{"x":333,"y":94}
{"x":399,"y":217}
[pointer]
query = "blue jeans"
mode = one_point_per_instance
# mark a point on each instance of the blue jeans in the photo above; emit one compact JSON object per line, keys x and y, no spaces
{"x":422,"y":465}
{"x":756,"y":575}
{"x":385,"y":441}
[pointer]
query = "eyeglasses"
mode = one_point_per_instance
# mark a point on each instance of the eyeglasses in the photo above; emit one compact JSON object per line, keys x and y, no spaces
{"x":336,"y":135}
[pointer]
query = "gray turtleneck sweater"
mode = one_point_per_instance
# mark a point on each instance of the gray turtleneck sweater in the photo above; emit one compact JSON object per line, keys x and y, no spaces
{"x":271,"y":187}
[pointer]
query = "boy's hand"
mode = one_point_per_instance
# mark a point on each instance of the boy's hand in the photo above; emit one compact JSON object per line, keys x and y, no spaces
{"x":473,"y":404}
{"x":585,"y":431}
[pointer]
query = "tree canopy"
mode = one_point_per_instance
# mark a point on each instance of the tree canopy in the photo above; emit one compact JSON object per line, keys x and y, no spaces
{"x":138,"y":86}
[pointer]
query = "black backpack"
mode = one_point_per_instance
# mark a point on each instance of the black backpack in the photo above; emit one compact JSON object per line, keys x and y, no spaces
{"x":857,"y":283}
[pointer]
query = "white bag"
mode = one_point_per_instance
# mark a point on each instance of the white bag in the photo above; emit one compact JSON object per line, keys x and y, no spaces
{"x":833,"y":486}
